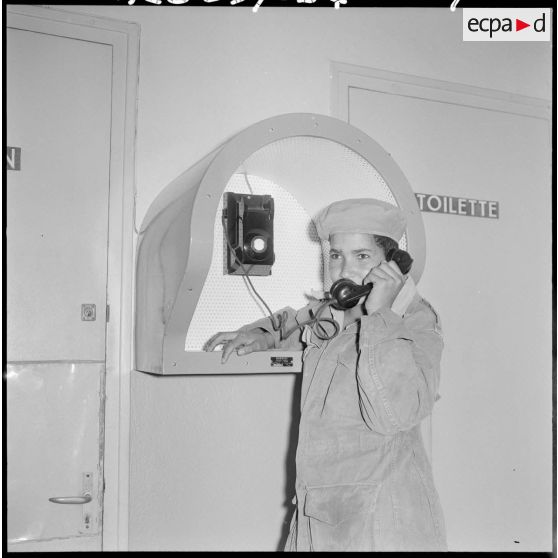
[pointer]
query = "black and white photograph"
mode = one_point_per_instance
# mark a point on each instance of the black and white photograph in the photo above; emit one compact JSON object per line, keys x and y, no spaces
{"x":279,"y":276}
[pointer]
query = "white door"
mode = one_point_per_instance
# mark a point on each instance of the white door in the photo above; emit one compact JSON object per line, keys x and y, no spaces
{"x":59,"y":117}
{"x":490,"y":280}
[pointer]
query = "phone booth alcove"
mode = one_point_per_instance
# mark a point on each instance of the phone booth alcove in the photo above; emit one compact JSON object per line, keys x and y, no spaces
{"x":183,"y":292}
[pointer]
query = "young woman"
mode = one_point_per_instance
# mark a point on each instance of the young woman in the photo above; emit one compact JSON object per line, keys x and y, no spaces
{"x":364,"y":481}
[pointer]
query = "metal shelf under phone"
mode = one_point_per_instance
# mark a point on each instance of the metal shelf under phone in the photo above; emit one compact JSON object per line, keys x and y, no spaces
{"x":209,"y":363}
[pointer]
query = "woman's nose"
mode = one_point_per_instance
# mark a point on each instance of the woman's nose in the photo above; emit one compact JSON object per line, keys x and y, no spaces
{"x":348,"y":272}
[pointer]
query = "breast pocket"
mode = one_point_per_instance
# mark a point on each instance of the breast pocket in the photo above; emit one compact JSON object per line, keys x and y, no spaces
{"x":341,"y":517}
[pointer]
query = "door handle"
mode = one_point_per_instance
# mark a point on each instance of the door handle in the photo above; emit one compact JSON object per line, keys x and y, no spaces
{"x":85,"y":499}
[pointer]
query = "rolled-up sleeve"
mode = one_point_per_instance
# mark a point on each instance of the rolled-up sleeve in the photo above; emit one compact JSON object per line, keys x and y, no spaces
{"x":398,"y":371}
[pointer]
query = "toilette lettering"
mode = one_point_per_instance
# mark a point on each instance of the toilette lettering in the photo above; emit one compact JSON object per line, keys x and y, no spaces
{"x":458,"y":206}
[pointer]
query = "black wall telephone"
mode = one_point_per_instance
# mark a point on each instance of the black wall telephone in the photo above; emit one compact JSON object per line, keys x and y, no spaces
{"x":346,"y":293}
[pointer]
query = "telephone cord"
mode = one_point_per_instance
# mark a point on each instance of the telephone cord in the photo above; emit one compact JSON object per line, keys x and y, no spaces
{"x":282,"y":318}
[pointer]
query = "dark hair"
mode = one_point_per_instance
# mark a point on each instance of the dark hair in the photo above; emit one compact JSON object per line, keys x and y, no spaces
{"x":385,"y":243}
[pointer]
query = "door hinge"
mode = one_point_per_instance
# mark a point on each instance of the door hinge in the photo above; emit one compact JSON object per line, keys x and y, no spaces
{"x":108,"y":312}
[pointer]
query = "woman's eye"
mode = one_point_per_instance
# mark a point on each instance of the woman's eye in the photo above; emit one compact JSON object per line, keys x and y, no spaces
{"x":363,"y":256}
{"x":334,"y":256}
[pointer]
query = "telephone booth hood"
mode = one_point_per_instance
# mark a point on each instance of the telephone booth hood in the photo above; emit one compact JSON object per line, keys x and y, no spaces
{"x":183,"y":295}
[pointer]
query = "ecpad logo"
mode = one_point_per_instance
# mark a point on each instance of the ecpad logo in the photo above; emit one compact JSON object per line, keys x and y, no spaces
{"x":503,"y":24}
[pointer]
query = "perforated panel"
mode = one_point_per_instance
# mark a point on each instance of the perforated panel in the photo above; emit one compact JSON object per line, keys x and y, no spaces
{"x":226,"y":301}
{"x":303,"y":174}
{"x":318,"y":169}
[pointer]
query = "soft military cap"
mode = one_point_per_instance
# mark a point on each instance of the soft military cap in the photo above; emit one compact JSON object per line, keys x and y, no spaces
{"x":362,"y":215}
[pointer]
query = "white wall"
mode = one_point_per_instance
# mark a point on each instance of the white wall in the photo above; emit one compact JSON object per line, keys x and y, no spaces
{"x":207,"y":73}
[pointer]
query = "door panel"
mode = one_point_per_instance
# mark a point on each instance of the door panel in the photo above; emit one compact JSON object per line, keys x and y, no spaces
{"x":53,"y":440}
{"x":490,"y":280}
{"x":59,"y":114}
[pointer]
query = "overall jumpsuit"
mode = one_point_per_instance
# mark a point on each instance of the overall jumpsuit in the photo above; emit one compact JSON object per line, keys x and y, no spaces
{"x":364,"y":481}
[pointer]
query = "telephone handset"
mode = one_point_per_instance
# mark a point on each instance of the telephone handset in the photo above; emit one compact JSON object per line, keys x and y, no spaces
{"x":346,"y":293}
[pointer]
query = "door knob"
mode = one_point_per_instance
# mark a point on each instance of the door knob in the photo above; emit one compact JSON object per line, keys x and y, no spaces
{"x":85,"y":499}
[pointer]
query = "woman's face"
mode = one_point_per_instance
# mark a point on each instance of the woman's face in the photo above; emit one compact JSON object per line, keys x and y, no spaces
{"x":353,"y":255}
